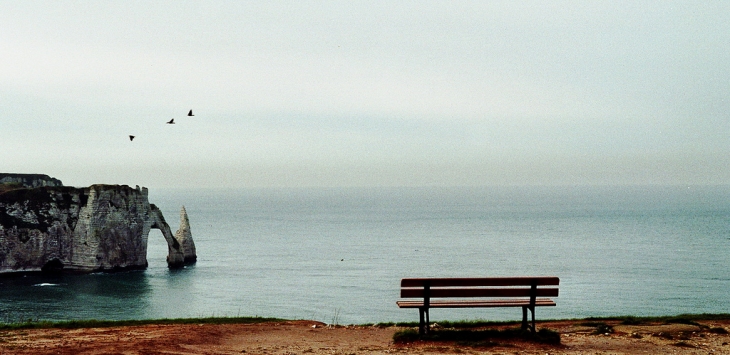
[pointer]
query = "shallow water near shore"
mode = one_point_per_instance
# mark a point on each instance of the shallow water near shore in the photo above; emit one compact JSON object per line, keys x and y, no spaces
{"x":337,"y":255}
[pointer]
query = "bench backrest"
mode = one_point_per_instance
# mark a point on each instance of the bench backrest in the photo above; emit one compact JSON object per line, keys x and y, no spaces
{"x":523,"y":286}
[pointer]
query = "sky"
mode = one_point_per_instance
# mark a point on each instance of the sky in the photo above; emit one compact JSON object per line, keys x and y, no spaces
{"x":366,"y":93}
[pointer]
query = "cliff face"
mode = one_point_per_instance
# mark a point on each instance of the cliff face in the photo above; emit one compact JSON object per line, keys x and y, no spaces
{"x":102,"y":227}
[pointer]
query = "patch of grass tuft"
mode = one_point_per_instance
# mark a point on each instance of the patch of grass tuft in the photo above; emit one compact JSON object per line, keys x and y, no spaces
{"x":718,"y":330}
{"x":393,"y":324}
{"x":681,"y":320}
{"x":406,"y":336}
{"x":604,"y":329}
{"x":631,"y":320}
{"x":601,"y":327}
{"x":683,"y":344}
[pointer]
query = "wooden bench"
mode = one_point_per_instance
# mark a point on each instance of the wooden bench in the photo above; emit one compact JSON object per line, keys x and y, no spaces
{"x":524,"y":291}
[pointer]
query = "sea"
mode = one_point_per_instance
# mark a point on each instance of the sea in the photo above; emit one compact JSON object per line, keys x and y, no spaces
{"x":337,"y":255}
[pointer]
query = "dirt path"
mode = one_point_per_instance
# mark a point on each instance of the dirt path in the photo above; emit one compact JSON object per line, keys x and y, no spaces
{"x":308,"y":337}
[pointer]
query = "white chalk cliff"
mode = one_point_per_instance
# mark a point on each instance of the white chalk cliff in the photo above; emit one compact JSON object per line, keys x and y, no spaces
{"x":98,"y":228}
{"x":185,"y":238}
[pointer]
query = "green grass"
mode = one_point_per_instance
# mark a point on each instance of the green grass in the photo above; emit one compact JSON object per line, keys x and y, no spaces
{"x":463,"y":324}
{"x":590,"y":321}
{"x":465,"y":331}
{"x":93,"y":323}
{"x":10,"y":186}
{"x":690,"y":319}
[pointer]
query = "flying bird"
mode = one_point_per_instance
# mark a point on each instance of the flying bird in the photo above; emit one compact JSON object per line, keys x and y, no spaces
{"x":171,"y":121}
{"x":190,"y":113}
{"x":131,"y":137}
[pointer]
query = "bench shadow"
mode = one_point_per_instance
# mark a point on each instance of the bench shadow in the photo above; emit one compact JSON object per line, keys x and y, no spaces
{"x":478,"y":337}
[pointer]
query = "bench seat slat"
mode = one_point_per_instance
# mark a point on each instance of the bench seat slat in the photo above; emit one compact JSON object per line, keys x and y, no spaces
{"x":477,"y":292}
{"x":540,"y":302}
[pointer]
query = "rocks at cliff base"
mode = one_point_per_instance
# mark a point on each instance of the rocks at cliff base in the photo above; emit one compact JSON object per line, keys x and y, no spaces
{"x":98,"y":228}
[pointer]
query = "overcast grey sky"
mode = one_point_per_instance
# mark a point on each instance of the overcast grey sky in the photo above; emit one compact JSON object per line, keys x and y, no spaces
{"x":392,"y":93}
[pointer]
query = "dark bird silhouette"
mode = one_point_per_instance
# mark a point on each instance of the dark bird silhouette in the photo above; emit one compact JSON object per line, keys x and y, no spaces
{"x":190,"y":113}
{"x":171,"y":121}
{"x":131,"y":137}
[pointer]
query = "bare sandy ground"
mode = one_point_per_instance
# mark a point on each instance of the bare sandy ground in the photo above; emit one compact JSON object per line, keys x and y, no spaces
{"x":309,"y":337}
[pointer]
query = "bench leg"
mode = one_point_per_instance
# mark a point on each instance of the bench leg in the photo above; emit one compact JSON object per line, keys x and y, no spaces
{"x":525,"y":325}
{"x":421,"y":320}
{"x":424,"y":320}
{"x":533,"y":320}
{"x":524,"y":318}
{"x":428,"y":322}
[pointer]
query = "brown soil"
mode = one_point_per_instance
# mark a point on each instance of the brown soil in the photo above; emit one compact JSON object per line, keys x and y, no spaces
{"x":309,"y":337}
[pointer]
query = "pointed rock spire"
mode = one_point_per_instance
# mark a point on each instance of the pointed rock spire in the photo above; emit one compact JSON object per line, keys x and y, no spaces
{"x":185,"y":238}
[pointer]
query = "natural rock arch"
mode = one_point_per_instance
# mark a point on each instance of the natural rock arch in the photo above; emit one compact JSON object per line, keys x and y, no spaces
{"x":175,"y":255}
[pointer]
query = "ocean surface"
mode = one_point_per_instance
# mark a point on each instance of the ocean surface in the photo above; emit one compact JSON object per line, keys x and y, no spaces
{"x":337,"y":255}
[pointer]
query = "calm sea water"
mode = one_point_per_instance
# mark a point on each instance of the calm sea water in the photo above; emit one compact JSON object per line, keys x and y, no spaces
{"x":337,"y":255}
